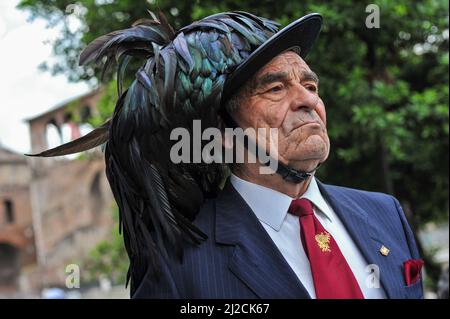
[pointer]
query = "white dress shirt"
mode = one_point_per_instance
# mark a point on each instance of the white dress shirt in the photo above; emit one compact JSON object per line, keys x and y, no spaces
{"x":271,"y":208}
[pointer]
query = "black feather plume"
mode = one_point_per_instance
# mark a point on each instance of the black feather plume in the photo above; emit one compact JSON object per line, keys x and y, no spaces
{"x":181,"y":80}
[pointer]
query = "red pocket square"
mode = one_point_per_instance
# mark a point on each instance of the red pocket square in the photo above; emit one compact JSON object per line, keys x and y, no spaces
{"x":412,"y":268}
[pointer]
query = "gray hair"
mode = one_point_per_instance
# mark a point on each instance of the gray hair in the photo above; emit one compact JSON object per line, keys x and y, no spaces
{"x":233,"y":103}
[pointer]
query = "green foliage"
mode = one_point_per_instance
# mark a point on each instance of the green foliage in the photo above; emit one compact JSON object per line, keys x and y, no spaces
{"x":106,"y":103}
{"x":386,"y":89}
{"x":108,"y":258}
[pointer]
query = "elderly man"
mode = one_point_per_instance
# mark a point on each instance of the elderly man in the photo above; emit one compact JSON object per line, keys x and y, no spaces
{"x":279,"y":235}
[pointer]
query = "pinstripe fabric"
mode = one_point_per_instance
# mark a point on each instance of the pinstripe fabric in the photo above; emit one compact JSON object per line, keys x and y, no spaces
{"x":240,"y":261}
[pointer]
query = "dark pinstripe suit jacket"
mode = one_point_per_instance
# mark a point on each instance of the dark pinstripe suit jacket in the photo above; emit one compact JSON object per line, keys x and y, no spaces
{"x":240,"y":260}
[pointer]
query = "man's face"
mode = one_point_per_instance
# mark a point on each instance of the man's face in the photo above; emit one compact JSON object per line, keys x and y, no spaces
{"x":284,"y":95}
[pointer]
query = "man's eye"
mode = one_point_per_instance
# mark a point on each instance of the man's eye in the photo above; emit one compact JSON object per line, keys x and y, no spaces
{"x":275,"y":89}
{"x":311,"y":87}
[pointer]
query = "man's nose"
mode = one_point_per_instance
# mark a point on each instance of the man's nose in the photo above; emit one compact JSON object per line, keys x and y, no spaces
{"x":303,"y":98}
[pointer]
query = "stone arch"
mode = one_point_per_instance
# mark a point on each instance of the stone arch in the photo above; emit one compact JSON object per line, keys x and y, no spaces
{"x":96,"y":194}
{"x":53,"y":134}
{"x":85,"y":113}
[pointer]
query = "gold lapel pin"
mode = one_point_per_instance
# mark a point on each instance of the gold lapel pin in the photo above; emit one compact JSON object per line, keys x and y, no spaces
{"x":384,"y":250}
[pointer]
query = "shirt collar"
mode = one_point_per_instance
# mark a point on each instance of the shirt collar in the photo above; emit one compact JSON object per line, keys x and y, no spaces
{"x":271,"y":206}
{"x":268,"y":205}
{"x":314,"y":195}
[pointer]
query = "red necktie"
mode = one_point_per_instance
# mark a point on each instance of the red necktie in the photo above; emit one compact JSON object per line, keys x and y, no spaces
{"x":332,"y":276}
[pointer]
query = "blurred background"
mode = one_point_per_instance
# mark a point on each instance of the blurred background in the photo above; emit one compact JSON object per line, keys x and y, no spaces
{"x":384,"y":83}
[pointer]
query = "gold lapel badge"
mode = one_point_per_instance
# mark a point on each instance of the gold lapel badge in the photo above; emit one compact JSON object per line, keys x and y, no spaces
{"x":384,"y":250}
{"x":323,"y":241}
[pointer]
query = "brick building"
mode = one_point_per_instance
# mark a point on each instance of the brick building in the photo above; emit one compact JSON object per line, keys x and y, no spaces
{"x":55,"y":210}
{"x":17,"y":249}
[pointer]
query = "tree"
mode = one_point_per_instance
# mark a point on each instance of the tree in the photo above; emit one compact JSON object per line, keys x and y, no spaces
{"x":386,"y":89}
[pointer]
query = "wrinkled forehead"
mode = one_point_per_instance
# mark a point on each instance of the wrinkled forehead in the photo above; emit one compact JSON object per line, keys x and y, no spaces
{"x":287,"y":64}
{"x":288,"y":61}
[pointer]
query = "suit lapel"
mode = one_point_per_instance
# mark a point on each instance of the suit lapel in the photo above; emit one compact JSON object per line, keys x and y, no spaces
{"x":365,"y":235}
{"x":256,"y":260}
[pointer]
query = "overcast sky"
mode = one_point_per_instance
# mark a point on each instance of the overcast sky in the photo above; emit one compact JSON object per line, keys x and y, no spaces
{"x":24,"y":90}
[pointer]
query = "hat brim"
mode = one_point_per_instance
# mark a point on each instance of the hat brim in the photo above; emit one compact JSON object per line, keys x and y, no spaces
{"x":300,"y":34}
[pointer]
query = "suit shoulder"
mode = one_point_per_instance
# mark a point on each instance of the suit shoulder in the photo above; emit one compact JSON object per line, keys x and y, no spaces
{"x":363,"y":196}
{"x":359,"y":193}
{"x":381,"y":208}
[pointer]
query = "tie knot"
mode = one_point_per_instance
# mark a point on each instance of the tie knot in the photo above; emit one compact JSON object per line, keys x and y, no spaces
{"x":301,"y":207}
